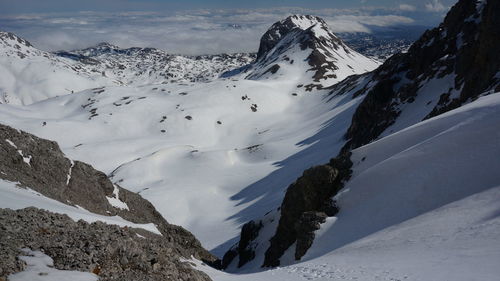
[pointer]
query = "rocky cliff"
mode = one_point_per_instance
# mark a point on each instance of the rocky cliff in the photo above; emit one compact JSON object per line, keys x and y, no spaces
{"x":448,"y":66}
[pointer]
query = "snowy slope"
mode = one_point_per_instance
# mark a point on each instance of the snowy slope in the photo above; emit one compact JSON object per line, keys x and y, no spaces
{"x":178,"y":156}
{"x":234,"y":142}
{"x":417,"y":170}
{"x":422,"y":205}
{"x":458,"y":241}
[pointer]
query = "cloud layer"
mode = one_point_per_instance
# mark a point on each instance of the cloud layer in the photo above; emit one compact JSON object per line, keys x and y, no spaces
{"x":192,"y":32}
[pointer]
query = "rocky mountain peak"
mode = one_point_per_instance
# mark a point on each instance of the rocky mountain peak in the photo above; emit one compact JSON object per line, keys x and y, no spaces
{"x":298,"y":39}
{"x":283,"y":27}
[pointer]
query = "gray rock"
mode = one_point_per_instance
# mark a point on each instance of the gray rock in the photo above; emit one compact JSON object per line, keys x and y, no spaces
{"x":307,"y":224}
{"x":48,"y":173}
{"x":111,"y":252}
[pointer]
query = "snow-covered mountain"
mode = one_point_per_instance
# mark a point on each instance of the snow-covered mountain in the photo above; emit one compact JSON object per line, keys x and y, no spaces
{"x":411,"y":193}
{"x":30,"y":75}
{"x":422,"y":204}
{"x":141,"y":66}
{"x":304,"y":47}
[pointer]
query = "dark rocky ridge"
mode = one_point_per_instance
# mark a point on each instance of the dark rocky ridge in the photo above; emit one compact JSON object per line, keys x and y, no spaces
{"x":111,"y":252}
{"x":47,"y":173}
{"x":465,"y":44}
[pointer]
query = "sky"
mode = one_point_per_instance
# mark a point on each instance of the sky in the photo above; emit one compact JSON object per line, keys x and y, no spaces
{"x":197,"y":26}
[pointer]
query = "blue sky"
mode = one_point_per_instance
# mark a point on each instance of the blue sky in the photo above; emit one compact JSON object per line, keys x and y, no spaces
{"x":43,"y":6}
{"x":197,"y":26}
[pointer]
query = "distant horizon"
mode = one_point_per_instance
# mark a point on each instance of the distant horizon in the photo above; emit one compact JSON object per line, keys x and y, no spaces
{"x":197,"y":27}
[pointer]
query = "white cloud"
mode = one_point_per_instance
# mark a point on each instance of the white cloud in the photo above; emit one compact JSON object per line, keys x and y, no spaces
{"x":407,"y":7}
{"x":192,"y":32}
{"x":381,"y":21}
{"x":435,"y":6}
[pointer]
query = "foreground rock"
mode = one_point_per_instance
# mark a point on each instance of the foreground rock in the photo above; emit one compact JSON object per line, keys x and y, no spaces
{"x":40,"y":165}
{"x":111,"y":252}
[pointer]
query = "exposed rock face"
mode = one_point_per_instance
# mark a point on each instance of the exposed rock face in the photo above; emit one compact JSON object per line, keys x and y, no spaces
{"x":111,"y":252}
{"x":307,"y":224}
{"x":249,"y":232}
{"x":244,"y":249}
{"x":307,"y":203}
{"x":464,"y":49}
{"x":305,"y":195}
{"x":281,"y":28}
{"x":40,"y":165}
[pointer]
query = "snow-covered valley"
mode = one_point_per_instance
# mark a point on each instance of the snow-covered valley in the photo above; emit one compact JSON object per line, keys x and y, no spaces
{"x":218,"y":141}
{"x":196,"y":143}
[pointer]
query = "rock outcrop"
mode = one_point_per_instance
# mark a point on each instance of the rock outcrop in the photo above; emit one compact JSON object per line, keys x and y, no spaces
{"x":40,"y":165}
{"x":245,"y":248}
{"x":111,"y":252}
{"x":307,"y":203}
